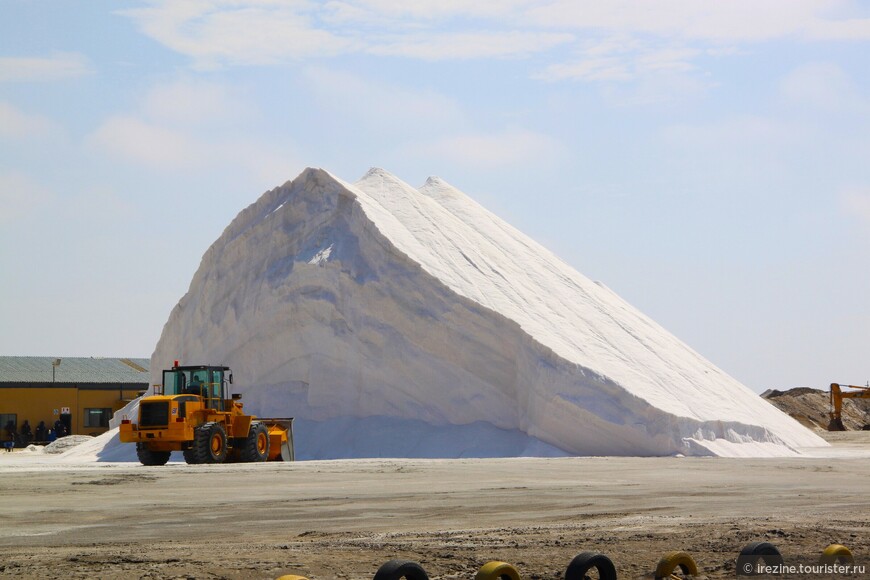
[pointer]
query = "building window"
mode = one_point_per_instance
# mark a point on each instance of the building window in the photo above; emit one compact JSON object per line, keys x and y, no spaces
{"x":5,"y":420}
{"x":97,"y":417}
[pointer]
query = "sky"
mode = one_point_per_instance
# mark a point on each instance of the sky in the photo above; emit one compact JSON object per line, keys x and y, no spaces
{"x":708,"y":161}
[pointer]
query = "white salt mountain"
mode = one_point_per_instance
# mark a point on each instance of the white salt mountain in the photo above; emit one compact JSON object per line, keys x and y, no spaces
{"x":392,"y":321}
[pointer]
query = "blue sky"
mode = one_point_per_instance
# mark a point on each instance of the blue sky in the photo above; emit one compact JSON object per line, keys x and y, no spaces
{"x":709,"y":161}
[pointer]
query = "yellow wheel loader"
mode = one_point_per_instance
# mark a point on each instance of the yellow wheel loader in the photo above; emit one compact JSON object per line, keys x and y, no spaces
{"x":192,"y":412}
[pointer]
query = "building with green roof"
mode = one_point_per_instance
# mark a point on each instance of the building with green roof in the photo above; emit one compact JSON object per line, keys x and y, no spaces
{"x":80,"y":393}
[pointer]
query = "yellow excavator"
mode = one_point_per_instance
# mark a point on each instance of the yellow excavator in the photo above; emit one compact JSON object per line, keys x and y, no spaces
{"x":837,"y":396}
{"x":192,"y":412}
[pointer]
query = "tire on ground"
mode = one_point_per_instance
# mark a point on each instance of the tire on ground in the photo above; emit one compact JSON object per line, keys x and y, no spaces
{"x":585,"y":561}
{"x":673,"y":560}
{"x":148,"y":457}
{"x":497,"y":571}
{"x":754,"y":551}
{"x":837,"y":554}
{"x":396,"y":569}
{"x":256,"y":445}
{"x":209,"y":445}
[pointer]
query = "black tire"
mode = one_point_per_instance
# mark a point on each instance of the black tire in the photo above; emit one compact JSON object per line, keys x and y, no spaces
{"x":585,"y":561}
{"x":209,"y":445}
{"x":191,"y":456}
{"x":148,"y":457}
{"x":765,"y":550}
{"x":752,"y":553}
{"x":396,"y":569}
{"x":256,"y":445}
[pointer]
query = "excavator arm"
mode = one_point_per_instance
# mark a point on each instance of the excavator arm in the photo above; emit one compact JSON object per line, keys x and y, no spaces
{"x":837,"y":396}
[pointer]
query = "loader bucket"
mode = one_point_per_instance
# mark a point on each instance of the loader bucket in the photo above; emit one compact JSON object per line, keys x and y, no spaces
{"x":836,"y":425}
{"x":280,"y":439}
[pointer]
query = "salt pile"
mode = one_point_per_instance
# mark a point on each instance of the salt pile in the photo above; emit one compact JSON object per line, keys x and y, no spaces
{"x":105,"y":447}
{"x":64,"y":444}
{"x":394,"y":321}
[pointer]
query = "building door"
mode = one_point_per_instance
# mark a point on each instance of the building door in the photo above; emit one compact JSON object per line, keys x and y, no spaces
{"x":66,"y":419}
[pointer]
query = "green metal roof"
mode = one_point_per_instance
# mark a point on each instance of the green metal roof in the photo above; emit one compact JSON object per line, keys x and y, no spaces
{"x":38,"y":369}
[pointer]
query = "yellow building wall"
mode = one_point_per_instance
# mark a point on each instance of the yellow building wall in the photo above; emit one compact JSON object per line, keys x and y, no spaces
{"x":39,"y":404}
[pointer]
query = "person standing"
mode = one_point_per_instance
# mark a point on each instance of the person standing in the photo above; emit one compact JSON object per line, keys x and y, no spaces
{"x":40,"y":433}
{"x":26,"y":433}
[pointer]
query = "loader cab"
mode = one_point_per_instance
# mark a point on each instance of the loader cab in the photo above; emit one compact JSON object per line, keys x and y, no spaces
{"x":207,"y":382}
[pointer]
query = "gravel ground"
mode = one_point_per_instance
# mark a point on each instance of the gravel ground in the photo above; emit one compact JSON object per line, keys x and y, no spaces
{"x":342,"y":519}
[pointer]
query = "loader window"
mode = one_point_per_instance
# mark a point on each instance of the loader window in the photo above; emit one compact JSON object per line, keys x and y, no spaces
{"x":198,"y":384}
{"x":184,"y":382}
{"x":173,"y":382}
{"x":206,"y":383}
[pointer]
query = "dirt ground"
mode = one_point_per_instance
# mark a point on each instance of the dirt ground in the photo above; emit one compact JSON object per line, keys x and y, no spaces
{"x":343,"y":519}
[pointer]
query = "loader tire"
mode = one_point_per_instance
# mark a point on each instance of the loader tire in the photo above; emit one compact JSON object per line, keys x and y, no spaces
{"x":585,"y":561}
{"x":256,"y":445}
{"x":148,"y":457}
{"x":209,"y":445}
{"x":396,"y":569}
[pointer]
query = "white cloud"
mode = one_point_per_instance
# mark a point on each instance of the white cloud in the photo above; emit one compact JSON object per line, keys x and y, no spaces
{"x":856,"y":203}
{"x":159,"y":147}
{"x":634,"y":72}
{"x":193,"y":102}
{"x":139,"y":141}
{"x":467,"y":45}
{"x":666,"y":60}
{"x":21,"y":197}
{"x":261,"y":33}
{"x":826,"y":86}
{"x":707,"y":20}
{"x":219,"y":32}
{"x":494,"y":150}
{"x":381,"y":104}
{"x":20,"y":125}
{"x":194,"y":125}
{"x":737,"y":134}
{"x":665,"y":89}
{"x":58,"y":66}
{"x":610,"y":68}
{"x":386,"y":11}
{"x":232,"y":32}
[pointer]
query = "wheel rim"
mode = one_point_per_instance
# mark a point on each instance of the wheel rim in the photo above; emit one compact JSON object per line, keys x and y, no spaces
{"x":217,"y":444}
{"x":262,"y":443}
